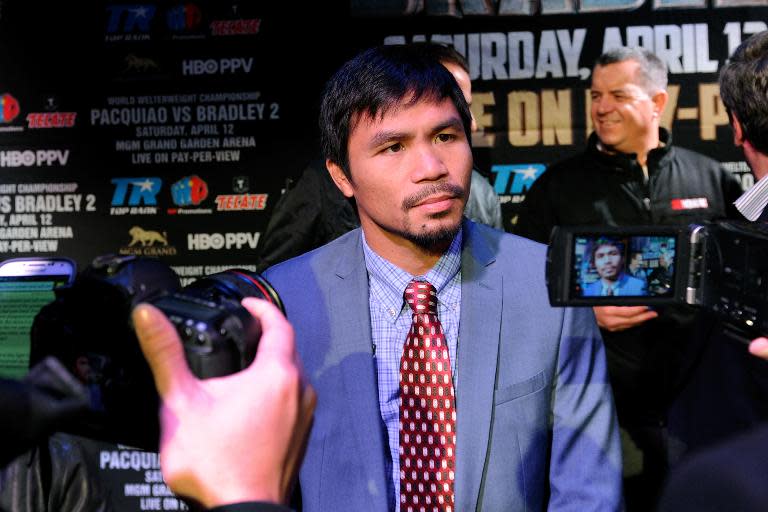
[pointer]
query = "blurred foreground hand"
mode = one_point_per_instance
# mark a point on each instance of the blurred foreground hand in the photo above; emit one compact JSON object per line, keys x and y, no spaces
{"x":619,"y":318}
{"x":759,"y":347}
{"x":236,"y":438}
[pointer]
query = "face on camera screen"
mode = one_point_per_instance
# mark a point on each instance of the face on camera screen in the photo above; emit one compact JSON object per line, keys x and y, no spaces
{"x":623,"y":266}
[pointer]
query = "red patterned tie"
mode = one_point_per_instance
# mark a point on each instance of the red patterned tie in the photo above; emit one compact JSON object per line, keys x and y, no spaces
{"x":427,"y":409}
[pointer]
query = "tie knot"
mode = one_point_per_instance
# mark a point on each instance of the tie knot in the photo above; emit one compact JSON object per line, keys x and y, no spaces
{"x":421,"y":296}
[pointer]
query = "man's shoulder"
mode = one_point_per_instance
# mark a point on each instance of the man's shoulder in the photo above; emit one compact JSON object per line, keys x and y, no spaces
{"x":501,"y":241}
{"x":321,"y":260}
{"x":508,"y":251}
{"x":689,"y":156}
{"x":569,"y":163}
{"x":634,"y":281}
{"x":570,"y":171}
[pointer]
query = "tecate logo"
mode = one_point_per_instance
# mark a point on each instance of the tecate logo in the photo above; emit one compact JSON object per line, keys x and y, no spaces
{"x":194,"y":67}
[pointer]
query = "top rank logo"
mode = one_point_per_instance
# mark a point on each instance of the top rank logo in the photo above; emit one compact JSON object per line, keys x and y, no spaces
{"x":523,"y":176}
{"x":10,"y":108}
{"x":143,"y":191}
{"x":129,"y":22}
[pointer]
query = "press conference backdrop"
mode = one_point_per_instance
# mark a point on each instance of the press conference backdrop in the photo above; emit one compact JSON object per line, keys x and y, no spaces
{"x":169,"y":129}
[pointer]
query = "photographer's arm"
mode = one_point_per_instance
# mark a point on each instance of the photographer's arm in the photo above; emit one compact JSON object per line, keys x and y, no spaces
{"x":232,"y":439}
{"x":619,"y":318}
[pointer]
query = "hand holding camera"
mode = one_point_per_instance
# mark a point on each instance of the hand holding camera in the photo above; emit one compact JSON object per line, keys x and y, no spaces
{"x":620,"y":318}
{"x":234,"y":438}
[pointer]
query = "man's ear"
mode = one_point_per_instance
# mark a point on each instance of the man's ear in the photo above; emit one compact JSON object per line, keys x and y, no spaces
{"x":738,"y":131}
{"x":339,"y":178}
{"x":660,"y":100}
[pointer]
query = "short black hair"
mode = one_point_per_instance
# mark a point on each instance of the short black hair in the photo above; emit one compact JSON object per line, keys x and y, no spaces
{"x":606,"y":240}
{"x":375,"y":81}
{"x":443,"y":53}
{"x":744,"y":89}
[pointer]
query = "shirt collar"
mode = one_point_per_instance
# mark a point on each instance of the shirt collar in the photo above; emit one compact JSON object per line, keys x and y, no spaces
{"x":388,"y":281}
{"x":752,"y":202}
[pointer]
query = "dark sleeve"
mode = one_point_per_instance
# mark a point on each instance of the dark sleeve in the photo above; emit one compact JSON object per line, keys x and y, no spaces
{"x":251,"y":506}
{"x":537,"y":213}
{"x":292,"y":223}
{"x":728,"y":476}
{"x":47,"y":399}
{"x":309,"y":215}
{"x":20,"y":434}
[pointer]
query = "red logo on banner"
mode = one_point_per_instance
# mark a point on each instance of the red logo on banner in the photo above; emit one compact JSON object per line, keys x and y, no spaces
{"x":692,"y":203}
{"x":235,"y":27}
{"x":189,"y":191}
{"x":10,"y":108}
{"x":51,"y":119}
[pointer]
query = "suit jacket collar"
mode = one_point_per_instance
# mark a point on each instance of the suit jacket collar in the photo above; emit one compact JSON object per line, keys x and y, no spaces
{"x":351,"y":332}
{"x":479,"y":331}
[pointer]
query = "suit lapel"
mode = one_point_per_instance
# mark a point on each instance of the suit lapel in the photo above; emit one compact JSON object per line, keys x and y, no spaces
{"x":481,"y":308}
{"x":351,"y":334}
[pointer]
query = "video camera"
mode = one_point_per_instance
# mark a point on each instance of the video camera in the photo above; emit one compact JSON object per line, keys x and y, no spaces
{"x":721,"y":266}
{"x":88,"y":328}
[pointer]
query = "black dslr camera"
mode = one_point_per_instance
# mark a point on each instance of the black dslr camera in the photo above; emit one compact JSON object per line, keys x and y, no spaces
{"x":88,"y":328}
{"x":721,"y":266}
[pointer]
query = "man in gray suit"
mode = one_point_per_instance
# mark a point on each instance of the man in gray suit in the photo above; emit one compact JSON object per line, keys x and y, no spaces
{"x":489,"y":400}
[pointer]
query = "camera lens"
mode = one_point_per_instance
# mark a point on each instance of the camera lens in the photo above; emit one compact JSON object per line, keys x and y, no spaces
{"x":234,"y":284}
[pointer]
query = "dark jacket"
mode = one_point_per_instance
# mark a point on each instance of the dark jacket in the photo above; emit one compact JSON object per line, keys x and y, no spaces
{"x":730,"y":476}
{"x":595,"y":188}
{"x":601,"y":189}
{"x":52,"y":477}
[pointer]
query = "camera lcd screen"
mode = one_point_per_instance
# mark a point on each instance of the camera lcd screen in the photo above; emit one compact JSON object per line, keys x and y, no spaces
{"x":623,"y":266}
{"x":21,"y":298}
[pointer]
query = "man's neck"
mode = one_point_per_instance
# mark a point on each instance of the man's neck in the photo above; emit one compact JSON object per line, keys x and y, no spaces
{"x":757,"y":160}
{"x":641,"y":151}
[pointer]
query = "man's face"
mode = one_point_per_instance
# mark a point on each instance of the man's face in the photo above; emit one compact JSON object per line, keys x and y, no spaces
{"x":608,"y":262}
{"x":624,"y":115}
{"x":663,"y":261}
{"x":410,"y":172}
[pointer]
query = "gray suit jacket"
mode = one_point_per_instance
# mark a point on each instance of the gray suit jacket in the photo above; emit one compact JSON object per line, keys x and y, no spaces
{"x":535,"y":426}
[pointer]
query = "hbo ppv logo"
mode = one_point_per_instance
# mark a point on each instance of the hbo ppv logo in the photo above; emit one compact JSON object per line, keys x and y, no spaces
{"x":215,"y":241}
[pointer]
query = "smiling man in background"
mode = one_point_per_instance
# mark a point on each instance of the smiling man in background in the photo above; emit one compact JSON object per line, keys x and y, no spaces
{"x":632,"y":174}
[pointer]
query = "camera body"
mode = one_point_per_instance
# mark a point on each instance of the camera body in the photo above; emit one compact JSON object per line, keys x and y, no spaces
{"x":88,"y":328}
{"x":219,"y":335}
{"x":721,"y":266}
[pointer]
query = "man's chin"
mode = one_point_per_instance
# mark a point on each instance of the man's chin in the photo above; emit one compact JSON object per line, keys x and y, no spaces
{"x":435,"y":237}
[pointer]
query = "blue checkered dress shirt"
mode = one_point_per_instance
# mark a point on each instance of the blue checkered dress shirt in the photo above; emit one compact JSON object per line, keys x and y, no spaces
{"x":390,"y":323}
